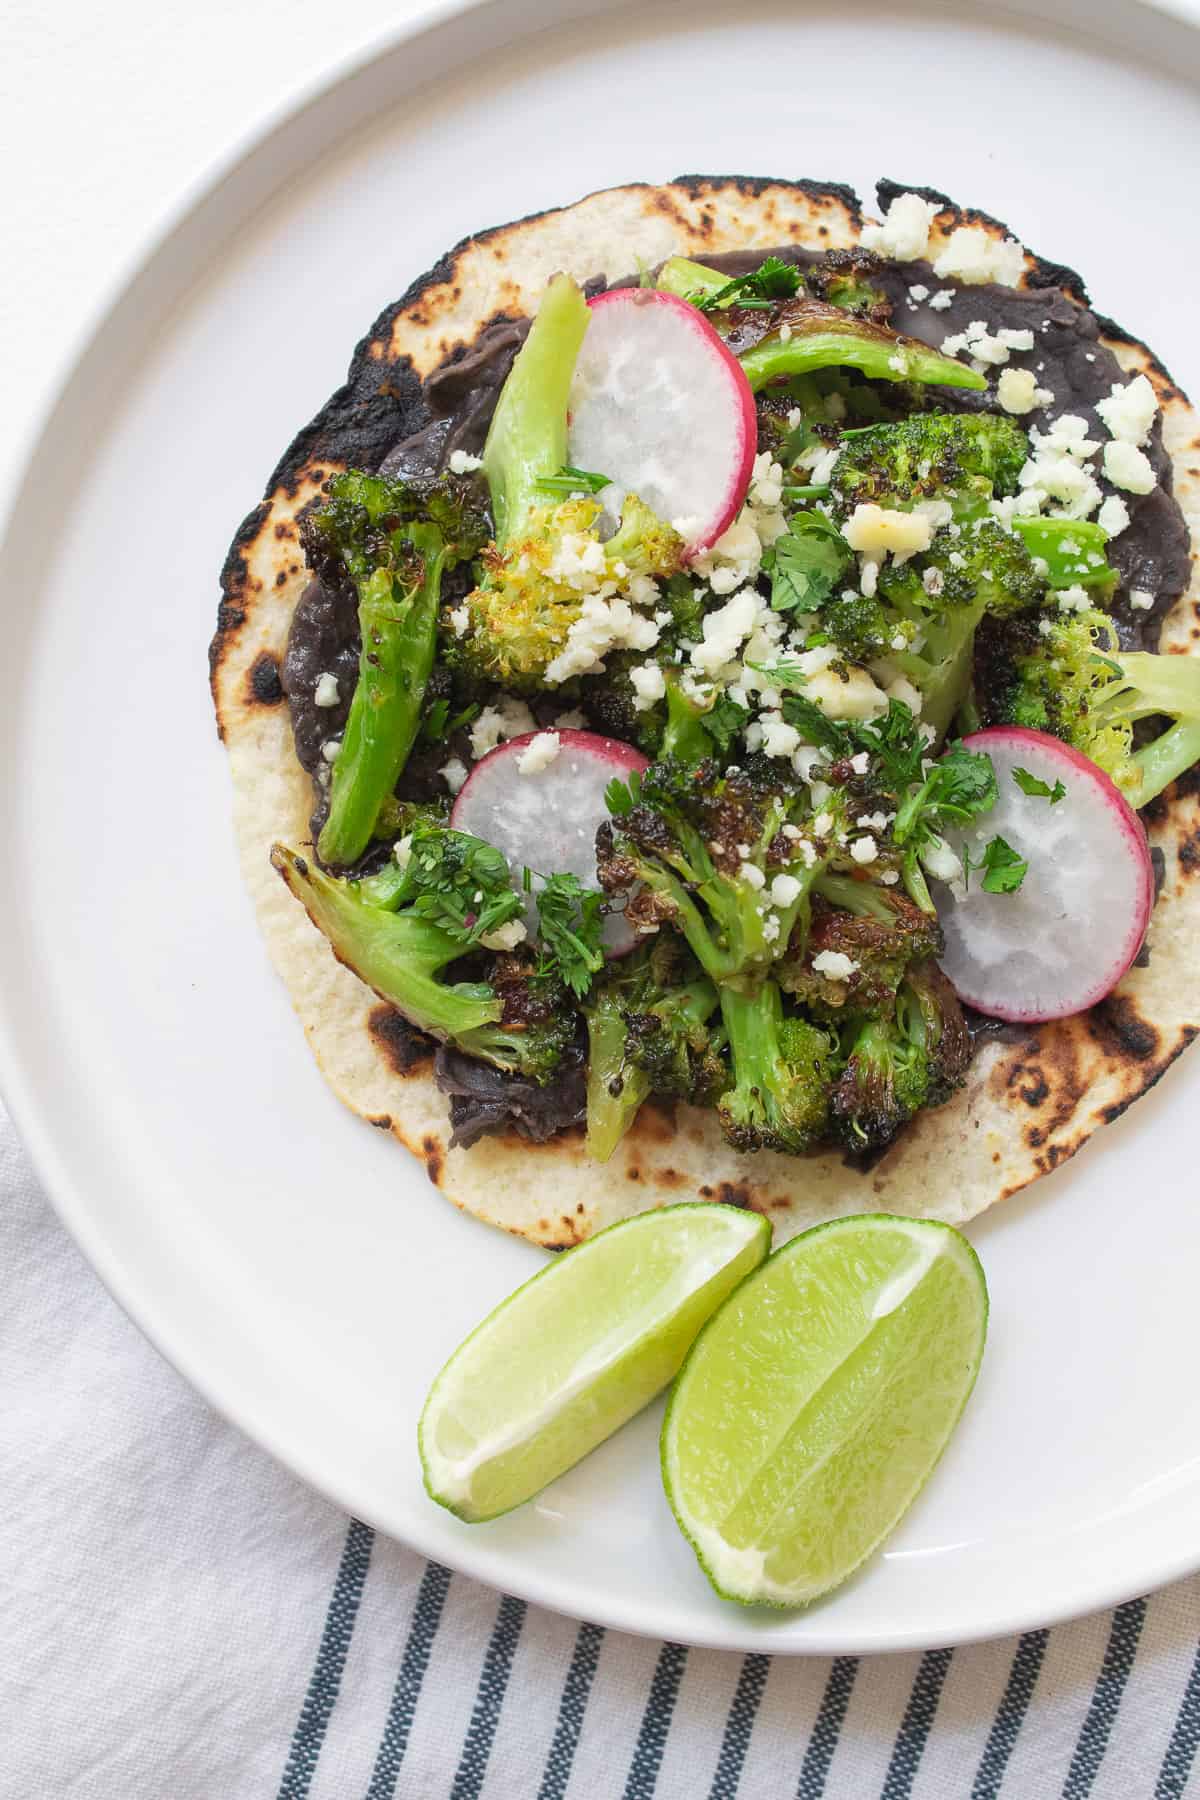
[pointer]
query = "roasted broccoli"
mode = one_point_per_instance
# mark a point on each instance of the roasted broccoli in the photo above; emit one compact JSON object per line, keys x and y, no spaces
{"x":648,"y":1033}
{"x":548,"y":561}
{"x":963,"y":458}
{"x":879,"y":929}
{"x":727,"y":859}
{"x":784,"y":1069}
{"x":386,"y":545}
{"x":777,"y":331}
{"x":1066,"y":674}
{"x":902,"y":1059}
{"x":455,"y":898}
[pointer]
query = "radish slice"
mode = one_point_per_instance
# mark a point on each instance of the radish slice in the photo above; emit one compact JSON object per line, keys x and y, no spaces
{"x":1068,"y":934}
{"x":661,"y":406}
{"x":546,"y":819}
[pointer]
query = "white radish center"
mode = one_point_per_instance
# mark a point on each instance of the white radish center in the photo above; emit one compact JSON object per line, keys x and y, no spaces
{"x":656,"y":406}
{"x":1064,"y":939}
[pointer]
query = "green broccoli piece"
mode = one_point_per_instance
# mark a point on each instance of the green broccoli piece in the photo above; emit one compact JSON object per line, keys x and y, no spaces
{"x":456,"y":893}
{"x":1073,"y":551}
{"x":910,"y":1057}
{"x":387,"y":545}
{"x":784,"y":1070}
{"x":728,"y":859}
{"x":801,"y":334}
{"x":517,"y":620}
{"x":647,"y":1033}
{"x":881,"y":930}
{"x":964,"y":458}
{"x":1075,"y":681}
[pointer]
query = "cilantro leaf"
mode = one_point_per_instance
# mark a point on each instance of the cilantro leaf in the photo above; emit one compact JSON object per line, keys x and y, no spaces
{"x":570,"y":480}
{"x":773,"y":279}
{"x":621,"y":798}
{"x":1003,"y":870}
{"x":569,"y":922}
{"x":958,"y":788}
{"x":458,"y":883}
{"x":807,"y":563}
{"x":1039,"y":790}
{"x":724,"y":721}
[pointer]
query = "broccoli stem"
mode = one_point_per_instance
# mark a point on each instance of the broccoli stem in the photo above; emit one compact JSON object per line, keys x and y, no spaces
{"x":399,"y":641}
{"x":853,"y":346}
{"x":684,"y":736}
{"x":862,"y":898}
{"x":1068,"y":568}
{"x":1168,"y":685}
{"x":527,"y":439}
{"x":682,"y":277}
{"x":615,"y":1086}
{"x":397,"y":954}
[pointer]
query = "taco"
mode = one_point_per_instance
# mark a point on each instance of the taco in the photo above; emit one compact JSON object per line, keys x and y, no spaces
{"x":964,"y":503}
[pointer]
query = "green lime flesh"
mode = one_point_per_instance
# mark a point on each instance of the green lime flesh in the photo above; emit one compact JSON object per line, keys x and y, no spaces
{"x":577,"y":1351}
{"x":814,"y":1405}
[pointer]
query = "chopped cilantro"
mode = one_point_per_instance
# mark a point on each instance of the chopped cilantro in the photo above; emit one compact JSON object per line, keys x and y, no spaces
{"x":1003,"y":870}
{"x":773,"y":280}
{"x":569,"y":921}
{"x":806,"y":563}
{"x":1039,"y":790}
{"x":570,"y":480}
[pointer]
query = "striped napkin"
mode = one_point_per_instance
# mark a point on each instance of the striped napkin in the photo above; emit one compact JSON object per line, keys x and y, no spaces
{"x":182,"y":1620}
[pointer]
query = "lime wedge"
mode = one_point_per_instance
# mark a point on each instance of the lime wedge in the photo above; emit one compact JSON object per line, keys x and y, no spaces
{"x":577,"y":1351}
{"x":813,"y":1407}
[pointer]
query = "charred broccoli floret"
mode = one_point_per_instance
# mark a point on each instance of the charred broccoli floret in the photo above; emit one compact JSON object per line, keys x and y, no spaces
{"x":911,"y":1056}
{"x":1067,"y":674}
{"x":455,"y":898}
{"x":784,"y":1070}
{"x":727,"y":859}
{"x":648,"y":1033}
{"x":548,"y":560}
{"x":879,"y":929}
{"x":387,"y":545}
{"x":964,"y":458}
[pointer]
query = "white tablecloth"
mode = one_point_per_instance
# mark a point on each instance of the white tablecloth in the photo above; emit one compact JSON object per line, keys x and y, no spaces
{"x":182,"y":1620}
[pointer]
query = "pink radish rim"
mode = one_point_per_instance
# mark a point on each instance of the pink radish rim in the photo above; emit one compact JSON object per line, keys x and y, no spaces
{"x":748,"y":423}
{"x":1131,"y":828}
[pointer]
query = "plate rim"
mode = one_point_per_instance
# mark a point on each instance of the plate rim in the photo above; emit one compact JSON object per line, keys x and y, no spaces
{"x":749,"y":1631}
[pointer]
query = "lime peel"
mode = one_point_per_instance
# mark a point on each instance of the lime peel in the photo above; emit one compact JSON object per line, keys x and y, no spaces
{"x":814,"y":1405}
{"x":576,"y":1351}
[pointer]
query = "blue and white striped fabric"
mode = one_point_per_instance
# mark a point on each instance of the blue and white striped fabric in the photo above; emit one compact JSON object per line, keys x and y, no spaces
{"x":182,"y":1619}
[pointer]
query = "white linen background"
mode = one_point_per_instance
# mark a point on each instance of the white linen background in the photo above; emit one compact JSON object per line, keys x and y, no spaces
{"x":163,"y":1584}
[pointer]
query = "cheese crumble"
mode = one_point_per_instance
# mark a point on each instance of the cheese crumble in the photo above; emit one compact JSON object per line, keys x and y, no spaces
{"x":975,"y":257}
{"x":904,"y":233}
{"x":538,"y":754}
{"x":1129,"y":412}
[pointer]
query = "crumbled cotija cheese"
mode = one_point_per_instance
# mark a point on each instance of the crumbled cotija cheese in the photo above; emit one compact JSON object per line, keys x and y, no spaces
{"x":649,"y":684}
{"x":463,"y":463}
{"x":878,"y":530}
{"x":1129,"y":412}
{"x":904,"y":233}
{"x":834,"y":964}
{"x":506,"y":936}
{"x":1128,"y":467}
{"x":1113,"y":516}
{"x":1141,"y":599}
{"x":454,"y":774}
{"x":972,"y":255}
{"x":864,"y":849}
{"x":538,"y":754}
{"x":784,"y":889}
{"x":507,"y":719}
{"x":331,"y":749}
{"x":326,"y":691}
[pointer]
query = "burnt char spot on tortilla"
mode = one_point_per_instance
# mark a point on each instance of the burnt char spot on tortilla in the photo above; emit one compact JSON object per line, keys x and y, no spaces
{"x":266,"y":689}
{"x":669,"y":1178}
{"x":431,"y":1150}
{"x":1118,"y":334}
{"x":1189,"y":853}
{"x":381,"y":1121}
{"x":735,"y":1193}
{"x":1118,"y":1026}
{"x":402,"y":1046}
{"x":752,"y":185}
{"x":1187,"y":1035}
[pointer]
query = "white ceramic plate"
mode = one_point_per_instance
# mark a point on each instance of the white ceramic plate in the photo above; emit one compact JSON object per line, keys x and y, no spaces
{"x":296,"y":1266}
